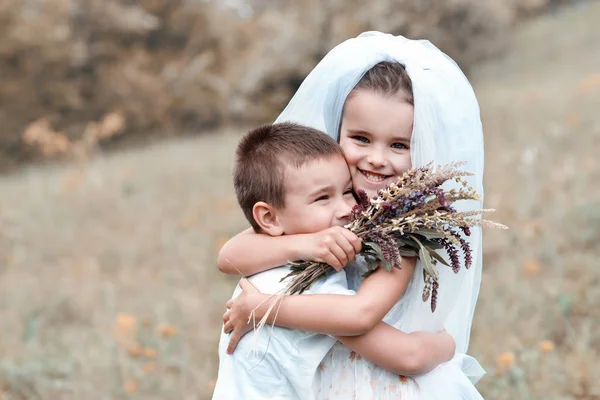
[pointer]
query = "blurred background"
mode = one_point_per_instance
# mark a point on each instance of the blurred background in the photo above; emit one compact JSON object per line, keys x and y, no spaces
{"x":118,"y":123}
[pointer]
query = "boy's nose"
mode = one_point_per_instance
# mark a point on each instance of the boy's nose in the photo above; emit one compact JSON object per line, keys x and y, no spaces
{"x":344,"y":210}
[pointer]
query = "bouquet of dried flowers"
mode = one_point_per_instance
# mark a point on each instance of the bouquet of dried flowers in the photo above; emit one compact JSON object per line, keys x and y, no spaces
{"x":411,"y":217}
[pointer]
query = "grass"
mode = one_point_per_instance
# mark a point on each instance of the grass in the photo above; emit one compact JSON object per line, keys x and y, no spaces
{"x":109,"y":288}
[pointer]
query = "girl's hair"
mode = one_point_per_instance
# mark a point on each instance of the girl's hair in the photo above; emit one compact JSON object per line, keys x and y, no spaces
{"x":389,"y":79}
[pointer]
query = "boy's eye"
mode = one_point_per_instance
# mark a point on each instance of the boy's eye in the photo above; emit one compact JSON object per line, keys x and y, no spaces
{"x":399,"y":146}
{"x":361,"y":139}
{"x":347,"y":191}
{"x":324,"y":197}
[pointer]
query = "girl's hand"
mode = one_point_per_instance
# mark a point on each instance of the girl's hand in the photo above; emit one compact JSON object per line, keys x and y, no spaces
{"x":336,"y":246}
{"x":447,"y":345}
{"x":237,"y":318}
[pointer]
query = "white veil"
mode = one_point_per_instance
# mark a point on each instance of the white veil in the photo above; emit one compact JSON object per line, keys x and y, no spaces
{"x":447,"y":127}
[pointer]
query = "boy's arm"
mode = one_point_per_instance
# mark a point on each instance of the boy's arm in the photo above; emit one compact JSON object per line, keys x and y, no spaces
{"x":404,"y":354}
{"x":251,"y":253}
{"x":332,"y":314}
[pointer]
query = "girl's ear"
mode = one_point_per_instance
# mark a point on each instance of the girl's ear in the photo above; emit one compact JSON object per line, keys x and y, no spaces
{"x":265,"y":216}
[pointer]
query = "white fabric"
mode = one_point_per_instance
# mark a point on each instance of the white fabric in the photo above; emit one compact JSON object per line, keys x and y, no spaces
{"x":343,"y":375}
{"x":447,"y":128}
{"x":285,"y":361}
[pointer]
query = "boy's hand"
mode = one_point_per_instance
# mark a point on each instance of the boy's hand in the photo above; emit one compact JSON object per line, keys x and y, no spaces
{"x":236,"y":318}
{"x":336,"y":246}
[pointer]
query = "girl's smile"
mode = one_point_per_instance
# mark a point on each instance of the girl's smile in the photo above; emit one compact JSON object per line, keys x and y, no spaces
{"x":375,"y":136}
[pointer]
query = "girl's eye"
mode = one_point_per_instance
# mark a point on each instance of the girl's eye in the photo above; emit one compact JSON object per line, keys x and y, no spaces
{"x":324,"y":197}
{"x":361,"y":139}
{"x":348,"y":191}
{"x":399,"y":146}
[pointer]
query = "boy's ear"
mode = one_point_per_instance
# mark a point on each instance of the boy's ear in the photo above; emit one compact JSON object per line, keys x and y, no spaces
{"x":265,"y":216}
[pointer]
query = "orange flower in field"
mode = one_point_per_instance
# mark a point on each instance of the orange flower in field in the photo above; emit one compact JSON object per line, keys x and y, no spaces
{"x":112,"y":124}
{"x":589,"y":84}
{"x":531,"y":267}
{"x":50,"y":142}
{"x":546,"y":346}
{"x":573,"y":120}
{"x":124,"y":330}
{"x":126,"y":322}
{"x":167,"y":330}
{"x":130,"y":386}
{"x":135,"y":350}
{"x":504,"y":361}
{"x":148,"y":367}
{"x":149,"y":352}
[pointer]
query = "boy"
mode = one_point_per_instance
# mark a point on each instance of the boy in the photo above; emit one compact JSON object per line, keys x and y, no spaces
{"x":291,"y":179}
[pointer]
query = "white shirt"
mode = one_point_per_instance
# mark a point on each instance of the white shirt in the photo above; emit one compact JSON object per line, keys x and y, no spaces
{"x":280,"y":363}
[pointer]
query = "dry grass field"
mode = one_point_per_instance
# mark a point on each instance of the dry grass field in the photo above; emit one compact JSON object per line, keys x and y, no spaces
{"x":108,"y":282}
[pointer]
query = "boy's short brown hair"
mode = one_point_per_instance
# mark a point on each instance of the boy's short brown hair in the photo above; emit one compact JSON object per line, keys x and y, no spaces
{"x":262,"y":155}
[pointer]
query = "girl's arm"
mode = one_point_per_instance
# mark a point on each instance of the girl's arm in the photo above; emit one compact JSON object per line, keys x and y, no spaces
{"x":251,"y":252}
{"x":339,"y":315}
{"x":404,"y":354}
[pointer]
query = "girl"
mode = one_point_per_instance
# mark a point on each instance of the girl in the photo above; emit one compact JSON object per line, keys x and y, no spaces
{"x":393,"y":104}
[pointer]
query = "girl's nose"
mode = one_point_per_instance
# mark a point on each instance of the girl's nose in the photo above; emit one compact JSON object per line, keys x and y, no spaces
{"x":376,"y":158}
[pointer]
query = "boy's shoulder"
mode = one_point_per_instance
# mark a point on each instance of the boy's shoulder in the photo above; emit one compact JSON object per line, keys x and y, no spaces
{"x":270,"y":282}
{"x":332,"y":283}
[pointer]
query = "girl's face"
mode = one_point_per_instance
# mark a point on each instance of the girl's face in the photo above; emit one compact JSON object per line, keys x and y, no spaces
{"x":375,"y":136}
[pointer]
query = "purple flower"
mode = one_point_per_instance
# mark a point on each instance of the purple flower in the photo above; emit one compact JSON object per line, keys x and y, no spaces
{"x":357,"y":211}
{"x":466,"y":250}
{"x":389,"y":247}
{"x":434,"y":292}
{"x":441,"y":197}
{"x":363,"y":199}
{"x":452,"y":253}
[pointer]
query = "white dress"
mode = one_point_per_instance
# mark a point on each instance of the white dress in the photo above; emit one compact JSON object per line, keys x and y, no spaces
{"x":343,"y":374}
{"x":447,"y":128}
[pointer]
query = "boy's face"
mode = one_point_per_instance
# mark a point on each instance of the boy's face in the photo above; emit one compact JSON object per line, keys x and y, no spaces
{"x":318,"y":195}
